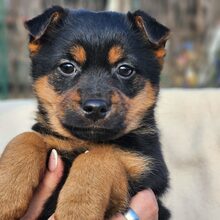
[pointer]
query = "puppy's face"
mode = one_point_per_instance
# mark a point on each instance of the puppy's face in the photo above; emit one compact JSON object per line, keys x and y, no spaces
{"x":96,"y":75}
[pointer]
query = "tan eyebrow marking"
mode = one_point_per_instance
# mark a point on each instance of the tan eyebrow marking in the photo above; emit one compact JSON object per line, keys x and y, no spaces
{"x":33,"y":47}
{"x":78,"y":53}
{"x":160,"y":53}
{"x":115,"y":54}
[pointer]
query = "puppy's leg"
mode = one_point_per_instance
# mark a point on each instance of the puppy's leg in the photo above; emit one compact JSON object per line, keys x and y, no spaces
{"x":21,"y":166}
{"x":94,"y":179}
{"x":136,"y":164}
{"x":144,"y":172}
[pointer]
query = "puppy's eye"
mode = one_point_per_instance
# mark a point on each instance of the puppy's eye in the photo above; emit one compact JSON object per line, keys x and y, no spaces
{"x":67,"y":69}
{"x":125,"y":71}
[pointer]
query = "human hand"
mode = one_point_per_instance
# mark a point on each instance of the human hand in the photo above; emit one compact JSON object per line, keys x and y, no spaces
{"x":47,"y":186}
{"x":145,"y":206}
{"x":144,"y":203}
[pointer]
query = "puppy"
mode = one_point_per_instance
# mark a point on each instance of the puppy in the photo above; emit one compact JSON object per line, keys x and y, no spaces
{"x":96,"y":79}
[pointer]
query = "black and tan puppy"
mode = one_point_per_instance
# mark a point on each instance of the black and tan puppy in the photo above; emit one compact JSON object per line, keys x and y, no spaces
{"x":96,"y":79}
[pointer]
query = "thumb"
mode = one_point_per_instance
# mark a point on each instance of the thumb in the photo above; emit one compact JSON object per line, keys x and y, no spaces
{"x":47,"y":186}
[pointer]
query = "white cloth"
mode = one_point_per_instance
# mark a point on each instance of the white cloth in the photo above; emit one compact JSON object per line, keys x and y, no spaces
{"x":189,"y":121}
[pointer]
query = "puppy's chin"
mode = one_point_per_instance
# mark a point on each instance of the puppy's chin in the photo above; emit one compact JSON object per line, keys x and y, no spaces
{"x":93,"y":134}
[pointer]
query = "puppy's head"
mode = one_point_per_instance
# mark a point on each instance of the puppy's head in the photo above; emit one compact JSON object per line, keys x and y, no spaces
{"x":95,"y":75}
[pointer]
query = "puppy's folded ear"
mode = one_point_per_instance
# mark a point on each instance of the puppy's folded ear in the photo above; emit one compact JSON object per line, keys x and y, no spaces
{"x":38,"y":25}
{"x":156,"y":33}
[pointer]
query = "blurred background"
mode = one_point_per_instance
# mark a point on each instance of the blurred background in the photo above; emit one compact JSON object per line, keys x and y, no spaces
{"x":193,"y":58}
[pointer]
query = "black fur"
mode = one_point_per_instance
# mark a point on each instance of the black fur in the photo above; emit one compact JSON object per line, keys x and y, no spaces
{"x":38,"y":25}
{"x":97,"y":33}
{"x":156,"y":32}
{"x":43,"y":130}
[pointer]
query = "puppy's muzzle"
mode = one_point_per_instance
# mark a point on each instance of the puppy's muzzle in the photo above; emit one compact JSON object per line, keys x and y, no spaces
{"x":95,"y":109}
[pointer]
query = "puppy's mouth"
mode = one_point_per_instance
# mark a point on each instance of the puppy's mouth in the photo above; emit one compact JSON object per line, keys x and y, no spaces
{"x":93,"y":134}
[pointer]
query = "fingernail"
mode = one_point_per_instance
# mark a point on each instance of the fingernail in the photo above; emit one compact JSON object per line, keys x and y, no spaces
{"x":52,"y":165}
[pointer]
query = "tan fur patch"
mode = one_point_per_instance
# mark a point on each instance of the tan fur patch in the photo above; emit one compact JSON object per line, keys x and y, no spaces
{"x":50,"y":100}
{"x":78,"y":53}
{"x":139,"y":105}
{"x":95,"y":188}
{"x":140,"y":22}
{"x":89,"y":196}
{"x":56,"y":17}
{"x":135,"y":164}
{"x":46,"y":92}
{"x":160,"y":53}
{"x":161,"y":44}
{"x":115,"y":54}
{"x":22,"y":165}
{"x":71,"y":100}
{"x":67,"y":145}
{"x":115,"y":98}
{"x":74,"y":96}
{"x":33,"y":47}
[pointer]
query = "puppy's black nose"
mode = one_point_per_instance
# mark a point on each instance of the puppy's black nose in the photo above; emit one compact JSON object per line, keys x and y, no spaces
{"x":95,"y":109}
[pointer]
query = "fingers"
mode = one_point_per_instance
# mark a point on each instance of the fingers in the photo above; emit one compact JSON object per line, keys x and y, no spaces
{"x":145,"y":206}
{"x":144,"y":203}
{"x":46,"y":187}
